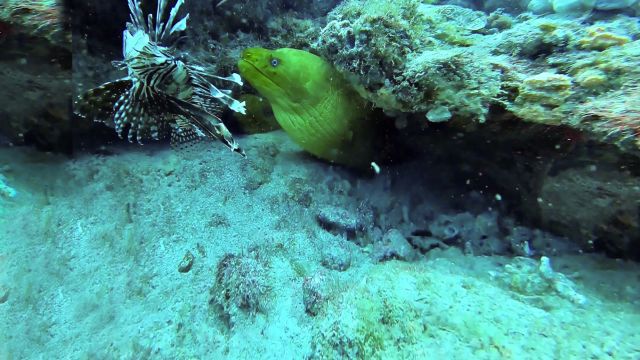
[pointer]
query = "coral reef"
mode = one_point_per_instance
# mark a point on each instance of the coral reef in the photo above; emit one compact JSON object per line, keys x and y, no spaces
{"x":614,"y":115}
{"x":414,"y":58}
{"x":579,"y":7}
{"x":411,"y":57}
{"x":545,"y":89}
{"x":598,"y":38}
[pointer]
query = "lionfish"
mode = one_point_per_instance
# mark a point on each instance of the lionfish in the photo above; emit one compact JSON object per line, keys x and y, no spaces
{"x":161,"y":93}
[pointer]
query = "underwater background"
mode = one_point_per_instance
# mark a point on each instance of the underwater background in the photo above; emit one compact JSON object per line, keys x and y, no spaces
{"x":416,"y":180}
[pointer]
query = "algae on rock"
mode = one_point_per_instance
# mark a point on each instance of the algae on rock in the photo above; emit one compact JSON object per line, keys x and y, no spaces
{"x":430,"y":59}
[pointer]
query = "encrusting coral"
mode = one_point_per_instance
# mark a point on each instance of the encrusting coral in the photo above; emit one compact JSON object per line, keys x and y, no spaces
{"x":414,"y":58}
{"x":241,"y":286}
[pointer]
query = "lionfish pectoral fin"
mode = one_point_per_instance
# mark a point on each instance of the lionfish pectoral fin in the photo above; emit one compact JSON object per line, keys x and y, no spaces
{"x":98,"y":103}
{"x":119,"y":64}
{"x":205,"y":124}
{"x":223,"y":134}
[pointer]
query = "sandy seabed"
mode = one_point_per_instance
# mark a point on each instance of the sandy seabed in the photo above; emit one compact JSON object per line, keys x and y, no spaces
{"x":91,"y":247}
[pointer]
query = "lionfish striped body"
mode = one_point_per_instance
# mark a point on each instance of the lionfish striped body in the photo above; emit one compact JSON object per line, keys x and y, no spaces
{"x":161,"y":93}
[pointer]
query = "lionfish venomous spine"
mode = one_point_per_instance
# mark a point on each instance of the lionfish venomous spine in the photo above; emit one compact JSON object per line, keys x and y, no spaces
{"x":161,"y":93}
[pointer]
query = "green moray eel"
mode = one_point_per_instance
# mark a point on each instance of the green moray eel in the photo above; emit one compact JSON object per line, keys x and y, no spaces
{"x":313,"y":103}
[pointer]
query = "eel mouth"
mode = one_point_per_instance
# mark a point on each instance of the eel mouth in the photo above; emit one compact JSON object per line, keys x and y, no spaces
{"x":250,"y":65}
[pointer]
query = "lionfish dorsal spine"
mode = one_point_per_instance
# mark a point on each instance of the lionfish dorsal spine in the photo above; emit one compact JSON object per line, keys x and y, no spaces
{"x":179,"y":26}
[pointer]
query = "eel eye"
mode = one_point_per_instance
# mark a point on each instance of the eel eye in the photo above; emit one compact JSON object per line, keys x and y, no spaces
{"x":275,"y":62}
